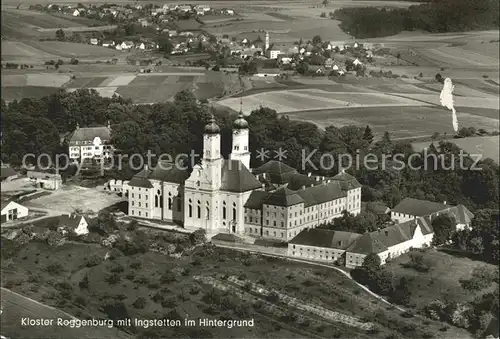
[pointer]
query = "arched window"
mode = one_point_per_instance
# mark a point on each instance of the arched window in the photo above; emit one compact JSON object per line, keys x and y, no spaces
{"x":223,"y":210}
{"x":198,"y":210}
{"x":169,"y":203}
{"x":207,"y":210}
{"x":190,"y":209}
{"x":234,"y":211}
{"x":156,"y":201}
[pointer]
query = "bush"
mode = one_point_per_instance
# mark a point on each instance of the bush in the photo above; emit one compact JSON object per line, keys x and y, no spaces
{"x":113,"y":279}
{"x":54,"y":269}
{"x":93,"y":260}
{"x":139,"y":303}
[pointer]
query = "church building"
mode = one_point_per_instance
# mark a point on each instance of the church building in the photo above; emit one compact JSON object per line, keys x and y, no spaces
{"x":225,"y":196}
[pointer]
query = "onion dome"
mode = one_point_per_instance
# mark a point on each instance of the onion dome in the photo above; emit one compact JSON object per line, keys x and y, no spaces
{"x":212,"y":127}
{"x":240,"y":123}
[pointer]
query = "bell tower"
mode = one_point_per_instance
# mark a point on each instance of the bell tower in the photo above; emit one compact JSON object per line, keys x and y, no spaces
{"x":212,"y":159}
{"x":240,"y":149}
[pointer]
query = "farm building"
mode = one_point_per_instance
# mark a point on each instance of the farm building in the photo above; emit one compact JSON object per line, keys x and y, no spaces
{"x":410,"y":209}
{"x":11,"y":210}
{"x":73,"y":223}
{"x":108,"y":43}
{"x":45,"y":180}
{"x":90,"y":143}
{"x":349,"y":248}
{"x":7,"y":173}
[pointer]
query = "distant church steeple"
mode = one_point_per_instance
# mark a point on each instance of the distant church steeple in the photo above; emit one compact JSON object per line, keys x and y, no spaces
{"x":267,"y":40}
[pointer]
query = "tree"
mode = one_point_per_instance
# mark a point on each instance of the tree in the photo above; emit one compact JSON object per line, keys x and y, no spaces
{"x":368,"y":135}
{"x":439,"y":78}
{"x":443,"y":226}
{"x":401,"y":294}
{"x":325,"y":2}
{"x":398,"y":56}
{"x":371,"y":262}
{"x":316,"y":40}
{"x":164,"y":44}
{"x":60,"y":35}
{"x":198,"y":237}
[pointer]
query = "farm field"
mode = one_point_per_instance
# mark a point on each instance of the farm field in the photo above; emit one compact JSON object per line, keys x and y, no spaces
{"x":297,"y":100}
{"x":71,"y":197}
{"x":401,"y":122}
{"x":32,"y":51}
{"x":171,"y":288}
{"x":24,"y":23}
{"x":18,"y":93}
{"x":141,"y":88}
{"x":487,"y":146}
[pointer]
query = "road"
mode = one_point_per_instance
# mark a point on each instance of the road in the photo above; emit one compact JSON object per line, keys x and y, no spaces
{"x":315,"y":264}
{"x":15,"y":307}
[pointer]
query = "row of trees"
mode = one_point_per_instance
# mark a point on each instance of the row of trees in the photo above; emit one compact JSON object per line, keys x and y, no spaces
{"x":35,"y":125}
{"x":436,"y":16}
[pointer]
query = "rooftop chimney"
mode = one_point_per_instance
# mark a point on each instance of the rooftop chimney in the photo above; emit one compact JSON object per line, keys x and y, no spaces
{"x":77,"y":126}
{"x":322,"y":178}
{"x":444,"y":202}
{"x":109,"y":125}
{"x":146,"y":167}
{"x":264,"y":175}
{"x":263,"y":186}
{"x":312,"y":185}
{"x":303,"y":187}
{"x":309,"y":174}
{"x":317,"y":178}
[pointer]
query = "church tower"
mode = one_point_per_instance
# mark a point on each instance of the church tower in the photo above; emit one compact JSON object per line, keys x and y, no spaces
{"x":212,"y":159}
{"x":240,"y":150}
{"x":267,"y":41}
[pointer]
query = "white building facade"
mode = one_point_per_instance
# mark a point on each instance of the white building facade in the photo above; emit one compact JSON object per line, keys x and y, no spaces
{"x":90,"y":143}
{"x":224,"y":196}
{"x":12,"y":211}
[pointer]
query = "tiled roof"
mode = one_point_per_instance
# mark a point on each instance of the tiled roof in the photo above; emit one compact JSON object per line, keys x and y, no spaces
{"x":7,"y":171}
{"x":375,"y":207}
{"x":296,"y":180}
{"x":380,"y":240}
{"x":419,"y":208}
{"x":167,"y":171}
{"x":425,"y":225}
{"x":283,"y":197}
{"x":141,"y":179}
{"x":347,"y":181}
{"x":461,"y":214}
{"x":325,"y":238}
{"x":321,"y":193}
{"x":70,"y":221}
{"x":256,"y":199}
{"x":367,"y":244}
{"x":275,"y":168}
{"x":89,"y":133}
{"x":237,"y":178}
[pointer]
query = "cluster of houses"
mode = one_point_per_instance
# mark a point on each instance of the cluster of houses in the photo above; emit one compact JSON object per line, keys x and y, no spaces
{"x":148,"y":13}
{"x":291,"y":55}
